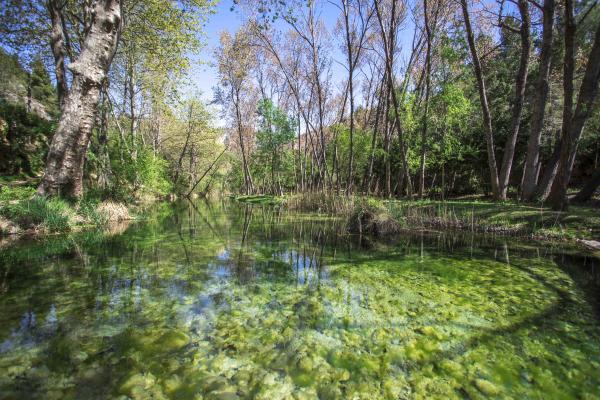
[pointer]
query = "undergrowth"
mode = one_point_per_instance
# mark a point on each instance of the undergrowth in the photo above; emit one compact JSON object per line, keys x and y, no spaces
{"x":51,"y":215}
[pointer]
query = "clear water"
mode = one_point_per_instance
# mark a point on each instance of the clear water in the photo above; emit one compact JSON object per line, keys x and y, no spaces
{"x":226,"y":301}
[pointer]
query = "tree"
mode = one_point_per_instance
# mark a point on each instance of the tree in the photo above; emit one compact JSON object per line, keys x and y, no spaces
{"x":485,"y":107}
{"x":66,"y":157}
{"x":235,"y":58}
{"x":519,"y":99}
{"x":356,"y":17}
{"x":276,"y":130}
{"x":532,"y":161}
{"x":574,"y":120}
{"x":587,"y":191}
{"x":40,"y":85}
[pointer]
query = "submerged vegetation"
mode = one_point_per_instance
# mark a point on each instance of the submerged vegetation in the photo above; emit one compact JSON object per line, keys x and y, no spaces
{"x":225,"y":300}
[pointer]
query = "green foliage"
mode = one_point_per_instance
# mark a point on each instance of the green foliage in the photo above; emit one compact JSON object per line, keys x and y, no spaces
{"x":151,"y":173}
{"x":12,"y":193}
{"x":24,"y":139}
{"x":42,"y":88}
{"x":88,"y":209}
{"x":275,"y":162}
{"x":27,"y":107}
{"x":361,"y":143}
{"x":53,"y":215}
{"x":163,"y":34}
{"x":129,"y":175}
{"x":13,"y":77}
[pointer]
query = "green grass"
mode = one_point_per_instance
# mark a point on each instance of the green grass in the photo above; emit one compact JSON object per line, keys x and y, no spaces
{"x":581,"y":222}
{"x":8,"y":193}
{"x":259,"y":199}
{"x":22,"y":212}
{"x":53,"y":215}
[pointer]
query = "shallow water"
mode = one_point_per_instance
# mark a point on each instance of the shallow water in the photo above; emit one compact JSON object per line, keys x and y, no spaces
{"x":227,"y":301}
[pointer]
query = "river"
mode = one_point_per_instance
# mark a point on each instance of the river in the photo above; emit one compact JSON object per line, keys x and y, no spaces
{"x":223,"y":300}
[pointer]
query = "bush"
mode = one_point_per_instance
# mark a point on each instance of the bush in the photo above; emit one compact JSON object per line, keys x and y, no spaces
{"x":112,"y":211}
{"x":330,"y":203}
{"x":132,"y":177}
{"x":370,"y":216}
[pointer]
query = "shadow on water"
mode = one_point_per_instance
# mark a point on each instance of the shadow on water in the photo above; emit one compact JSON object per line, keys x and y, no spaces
{"x":221,"y":299}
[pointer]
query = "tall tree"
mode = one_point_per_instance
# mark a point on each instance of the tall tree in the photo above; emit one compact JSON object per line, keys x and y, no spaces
{"x":574,"y":120}
{"x":63,"y":174}
{"x":532,"y":160}
{"x":519,"y":99}
{"x":388,"y":32}
{"x":356,"y":16}
{"x":485,"y":107}
{"x":234,"y":58}
{"x":428,"y":34}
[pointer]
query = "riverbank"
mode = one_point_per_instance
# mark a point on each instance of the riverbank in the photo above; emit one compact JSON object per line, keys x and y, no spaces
{"x":580,"y":223}
{"x":23,"y":214}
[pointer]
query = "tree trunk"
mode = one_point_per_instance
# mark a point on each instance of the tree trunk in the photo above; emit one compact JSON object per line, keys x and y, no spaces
{"x":351,"y":89}
{"x":545,"y":184}
{"x":66,"y":157}
{"x":587,"y":191}
{"x":517,"y":111}
{"x":426,"y":112}
{"x":389,"y":46}
{"x":247,"y":176}
{"x":383,"y":98}
{"x":532,"y":160}
{"x":188,"y":135}
{"x":485,"y":108}
{"x":588,"y":91}
{"x":58,"y":45}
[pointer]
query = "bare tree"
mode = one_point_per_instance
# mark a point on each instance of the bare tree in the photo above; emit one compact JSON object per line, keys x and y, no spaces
{"x":234,"y":61}
{"x":356,"y":17}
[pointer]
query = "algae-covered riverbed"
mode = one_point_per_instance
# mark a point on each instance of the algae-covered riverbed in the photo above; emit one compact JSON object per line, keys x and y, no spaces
{"x":228,"y":301}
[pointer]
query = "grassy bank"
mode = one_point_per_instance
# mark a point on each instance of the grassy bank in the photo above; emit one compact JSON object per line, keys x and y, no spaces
{"x":580,"y":222}
{"x":509,"y":218}
{"x":22,"y":213}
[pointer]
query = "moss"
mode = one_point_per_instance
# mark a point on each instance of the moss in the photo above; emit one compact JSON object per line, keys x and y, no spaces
{"x":171,"y":340}
{"x":487,"y":387}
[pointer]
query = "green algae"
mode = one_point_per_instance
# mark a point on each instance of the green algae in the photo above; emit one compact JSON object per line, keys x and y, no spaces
{"x":222,"y":301}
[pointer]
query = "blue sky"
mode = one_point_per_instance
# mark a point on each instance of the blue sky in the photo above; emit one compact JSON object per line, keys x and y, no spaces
{"x":204,"y":76}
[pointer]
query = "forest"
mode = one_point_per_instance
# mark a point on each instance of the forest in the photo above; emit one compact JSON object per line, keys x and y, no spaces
{"x":435,"y":100}
{"x":299,"y":199}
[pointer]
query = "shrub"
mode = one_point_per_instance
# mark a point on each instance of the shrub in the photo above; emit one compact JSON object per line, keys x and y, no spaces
{"x":370,"y":216}
{"x":112,"y":211}
{"x":330,"y":203}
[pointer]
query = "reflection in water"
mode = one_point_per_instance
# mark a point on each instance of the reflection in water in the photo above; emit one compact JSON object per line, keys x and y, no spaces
{"x":233,"y":301}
